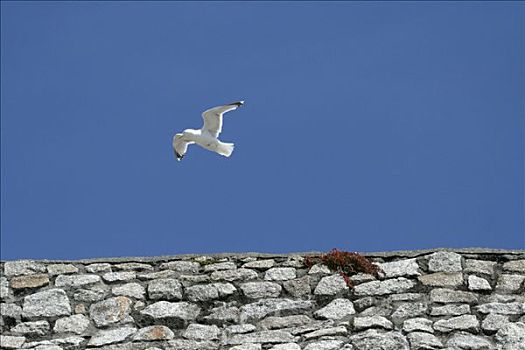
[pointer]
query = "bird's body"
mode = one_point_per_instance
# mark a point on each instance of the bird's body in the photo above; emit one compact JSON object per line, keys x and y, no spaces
{"x":207,"y":136}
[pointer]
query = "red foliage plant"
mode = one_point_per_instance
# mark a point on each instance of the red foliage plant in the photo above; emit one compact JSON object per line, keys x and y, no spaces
{"x":346,"y":263}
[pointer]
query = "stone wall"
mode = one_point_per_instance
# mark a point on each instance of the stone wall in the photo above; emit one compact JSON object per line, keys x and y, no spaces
{"x":462,"y":299}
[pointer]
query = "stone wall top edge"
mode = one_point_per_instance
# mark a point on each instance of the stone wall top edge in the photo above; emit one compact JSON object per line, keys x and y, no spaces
{"x":240,"y":255}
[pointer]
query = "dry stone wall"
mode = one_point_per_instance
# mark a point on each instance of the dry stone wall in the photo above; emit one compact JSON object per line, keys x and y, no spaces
{"x":440,"y":299}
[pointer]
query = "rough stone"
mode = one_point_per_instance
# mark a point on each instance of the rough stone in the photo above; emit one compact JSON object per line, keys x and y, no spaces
{"x":23,"y":267}
{"x":266,"y":307}
{"x":163,"y":309}
{"x":331,"y":285}
{"x":190,"y":280}
{"x":139,"y":305}
{"x":29,"y":281}
{"x":206,"y":259}
{"x":165,"y":288}
{"x":366,"y":322}
{"x":461,"y":319}
{"x":227,"y":265}
{"x":396,"y":285}
{"x":197,"y":331}
{"x":493,"y":322}
{"x":10,"y":310}
{"x":324,"y":332}
{"x":225,"y":289}
{"x":442,"y":279}
{"x":202,"y":292}
{"x":248,"y":346}
{"x":418,"y":324}
{"x":36,"y":328}
{"x":4,"y":288}
{"x":509,"y":283}
{"x":503,"y":298}
{"x":514,"y":266}
{"x":234,"y":275}
{"x":80,"y":309}
{"x":314,"y":326}
{"x":378,"y":340}
{"x":263,"y":337}
{"x":119,"y":276}
{"x":240,"y":328}
{"x":260,"y":264}
{"x":361,"y":277}
{"x":61,"y":269}
{"x":73,"y":324}
{"x":319,"y":269}
{"x":477,"y":283}
{"x":257,"y":290}
{"x":76,"y":280}
{"x":466,"y":341}
{"x":299,"y":287}
{"x":480,"y":266}
{"x":69,"y":342}
{"x":181,"y":266}
{"x":464,"y":322}
{"x":442,"y":295}
{"x":11,"y":342}
{"x":511,"y":337}
{"x":135,"y":266}
{"x":185,"y":344}
{"x":110,"y":311}
{"x":325,"y":345}
{"x":450,"y":310}
{"x":296,"y":261}
{"x":90,"y":295}
{"x":111,"y":336}
{"x":132,"y":290}
{"x":407,"y":310}
{"x":500,"y":308}
{"x":99,"y":267}
{"x":444,"y":262}
{"x":407,"y":267}
{"x":223,"y":314}
{"x":47,"y":347}
{"x":274,"y":322}
{"x":280,"y":274}
{"x":153,"y":333}
{"x":422,"y":340}
{"x":54,"y":343}
{"x":383,"y":310}
{"x":165,"y":274}
{"x":48,"y":303}
{"x":336,"y":309}
{"x":363,"y":303}
{"x":248,"y":259}
{"x":286,"y":346}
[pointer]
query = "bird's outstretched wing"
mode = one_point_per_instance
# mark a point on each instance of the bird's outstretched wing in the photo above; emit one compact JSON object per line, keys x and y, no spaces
{"x":213,"y":117}
{"x":180,"y":146}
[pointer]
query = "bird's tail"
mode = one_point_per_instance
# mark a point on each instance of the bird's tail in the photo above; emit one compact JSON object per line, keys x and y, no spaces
{"x":225,"y":149}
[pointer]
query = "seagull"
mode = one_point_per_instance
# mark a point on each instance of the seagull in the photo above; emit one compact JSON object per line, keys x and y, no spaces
{"x":207,"y":136}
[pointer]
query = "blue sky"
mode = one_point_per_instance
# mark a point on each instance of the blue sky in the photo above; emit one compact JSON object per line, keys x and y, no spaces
{"x":367,"y":127}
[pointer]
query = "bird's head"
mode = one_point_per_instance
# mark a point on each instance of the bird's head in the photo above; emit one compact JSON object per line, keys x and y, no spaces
{"x":178,"y":156}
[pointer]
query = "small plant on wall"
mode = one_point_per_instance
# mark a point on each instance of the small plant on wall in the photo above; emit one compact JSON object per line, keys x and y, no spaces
{"x":345,"y":263}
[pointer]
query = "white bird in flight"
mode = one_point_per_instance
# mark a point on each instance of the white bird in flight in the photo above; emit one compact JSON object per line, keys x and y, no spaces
{"x":207,"y":136}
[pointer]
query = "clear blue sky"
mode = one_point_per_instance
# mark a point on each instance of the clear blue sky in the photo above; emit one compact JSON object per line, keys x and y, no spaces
{"x":367,"y":127}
